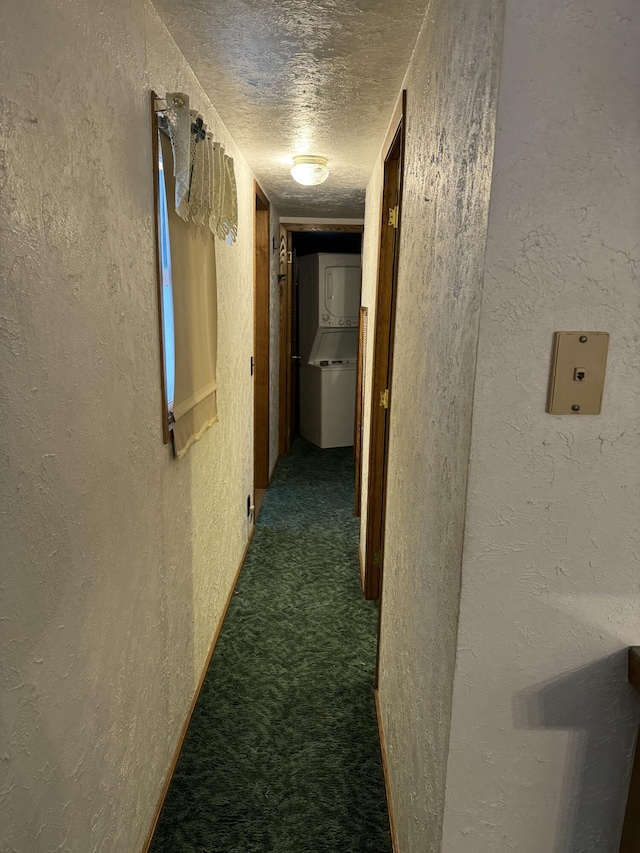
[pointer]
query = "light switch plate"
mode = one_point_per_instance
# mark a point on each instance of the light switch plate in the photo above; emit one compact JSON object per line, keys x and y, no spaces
{"x":578,"y":369}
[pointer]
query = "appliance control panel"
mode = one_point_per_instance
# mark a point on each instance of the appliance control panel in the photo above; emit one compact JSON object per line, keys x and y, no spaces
{"x":332,"y":321}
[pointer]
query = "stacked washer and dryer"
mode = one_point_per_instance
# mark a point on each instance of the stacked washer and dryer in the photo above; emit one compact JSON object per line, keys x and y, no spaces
{"x":329,"y":305}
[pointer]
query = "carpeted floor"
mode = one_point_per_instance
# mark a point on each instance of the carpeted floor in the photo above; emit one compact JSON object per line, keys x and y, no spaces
{"x":282,"y":754}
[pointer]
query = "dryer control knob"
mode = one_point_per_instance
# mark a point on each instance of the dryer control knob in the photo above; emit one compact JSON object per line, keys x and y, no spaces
{"x":325,"y":317}
{"x":342,"y":322}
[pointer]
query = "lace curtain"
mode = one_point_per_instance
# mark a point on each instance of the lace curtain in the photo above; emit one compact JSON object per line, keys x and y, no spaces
{"x":205,"y":182}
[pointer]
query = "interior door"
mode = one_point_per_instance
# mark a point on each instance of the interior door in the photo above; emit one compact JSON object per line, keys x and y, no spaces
{"x":382,"y":396}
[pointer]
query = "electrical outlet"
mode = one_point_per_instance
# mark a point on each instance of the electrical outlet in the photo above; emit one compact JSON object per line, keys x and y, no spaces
{"x":251,"y":510}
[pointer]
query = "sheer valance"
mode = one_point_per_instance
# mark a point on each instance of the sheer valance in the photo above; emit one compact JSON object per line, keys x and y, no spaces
{"x":205,"y":182}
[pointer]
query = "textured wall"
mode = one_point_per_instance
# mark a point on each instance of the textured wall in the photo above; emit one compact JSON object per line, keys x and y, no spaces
{"x":116,"y":560}
{"x":543,"y":719}
{"x":451,"y":85}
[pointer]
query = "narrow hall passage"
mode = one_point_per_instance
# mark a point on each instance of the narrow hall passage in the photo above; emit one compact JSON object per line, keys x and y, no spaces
{"x":282,"y":753}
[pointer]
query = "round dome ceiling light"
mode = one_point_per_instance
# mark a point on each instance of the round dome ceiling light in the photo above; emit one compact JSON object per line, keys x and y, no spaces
{"x":309,"y":171}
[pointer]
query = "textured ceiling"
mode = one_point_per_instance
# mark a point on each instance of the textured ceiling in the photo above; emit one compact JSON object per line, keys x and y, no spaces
{"x":291,"y":77}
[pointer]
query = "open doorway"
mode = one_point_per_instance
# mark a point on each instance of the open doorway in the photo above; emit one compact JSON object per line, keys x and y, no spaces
{"x":324,"y":363}
{"x":303,"y":246}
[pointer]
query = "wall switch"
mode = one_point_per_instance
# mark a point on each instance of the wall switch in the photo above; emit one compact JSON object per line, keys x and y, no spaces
{"x":578,"y":369}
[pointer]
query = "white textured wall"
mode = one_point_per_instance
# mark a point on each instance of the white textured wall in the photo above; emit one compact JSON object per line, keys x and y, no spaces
{"x":544,"y":719}
{"x":116,"y":559}
{"x":451,"y":95}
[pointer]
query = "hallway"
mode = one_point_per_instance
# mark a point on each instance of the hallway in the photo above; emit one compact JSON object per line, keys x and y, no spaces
{"x":510,"y":542}
{"x":282,"y":753}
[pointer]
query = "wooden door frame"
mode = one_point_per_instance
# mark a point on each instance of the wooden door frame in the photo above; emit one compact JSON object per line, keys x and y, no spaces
{"x":261,"y":295}
{"x":361,"y":363}
{"x":383,"y":341}
{"x":284,"y":375}
{"x":285,"y":278}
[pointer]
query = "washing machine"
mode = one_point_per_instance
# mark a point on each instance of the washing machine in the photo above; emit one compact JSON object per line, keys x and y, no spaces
{"x":328,"y":389}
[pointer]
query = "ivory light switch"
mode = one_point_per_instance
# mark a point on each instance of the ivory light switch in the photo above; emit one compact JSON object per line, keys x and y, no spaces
{"x":578,"y":368}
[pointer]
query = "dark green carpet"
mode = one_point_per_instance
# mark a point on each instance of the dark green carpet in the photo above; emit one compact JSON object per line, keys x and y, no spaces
{"x":282,"y":753}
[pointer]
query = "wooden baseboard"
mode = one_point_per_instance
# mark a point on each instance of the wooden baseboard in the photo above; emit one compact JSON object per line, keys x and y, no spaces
{"x":185,"y":726}
{"x":385,"y":769}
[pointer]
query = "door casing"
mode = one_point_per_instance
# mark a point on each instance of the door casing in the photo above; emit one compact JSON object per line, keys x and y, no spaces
{"x":261,"y":287}
{"x":382,"y":370}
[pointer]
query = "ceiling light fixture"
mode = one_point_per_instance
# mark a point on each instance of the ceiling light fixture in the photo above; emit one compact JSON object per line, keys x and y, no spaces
{"x":309,"y":171}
